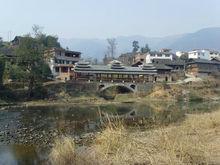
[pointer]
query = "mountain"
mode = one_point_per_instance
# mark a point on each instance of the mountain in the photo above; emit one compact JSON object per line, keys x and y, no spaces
{"x":208,"y":38}
{"x":96,"y":48}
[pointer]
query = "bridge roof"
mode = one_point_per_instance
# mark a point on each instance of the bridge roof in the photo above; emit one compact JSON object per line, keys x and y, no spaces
{"x":109,"y":70}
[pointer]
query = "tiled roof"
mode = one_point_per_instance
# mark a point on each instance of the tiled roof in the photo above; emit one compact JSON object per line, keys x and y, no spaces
{"x":109,"y":69}
{"x":204,"y":61}
{"x":168,"y":62}
{"x":162,"y":67}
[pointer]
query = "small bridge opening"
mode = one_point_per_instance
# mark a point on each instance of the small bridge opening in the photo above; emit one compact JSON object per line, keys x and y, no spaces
{"x":111,"y":91}
{"x":132,"y":86}
{"x":123,"y":90}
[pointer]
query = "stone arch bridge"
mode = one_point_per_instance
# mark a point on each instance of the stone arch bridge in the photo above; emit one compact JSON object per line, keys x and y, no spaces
{"x":132,"y":87}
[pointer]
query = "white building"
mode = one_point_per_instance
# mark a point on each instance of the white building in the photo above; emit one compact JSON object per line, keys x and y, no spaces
{"x":214,"y":54}
{"x":203,"y":54}
{"x":162,"y":54}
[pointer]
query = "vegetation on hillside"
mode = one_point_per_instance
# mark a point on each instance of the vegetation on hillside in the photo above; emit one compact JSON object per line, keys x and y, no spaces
{"x":2,"y":68}
{"x":27,"y":66}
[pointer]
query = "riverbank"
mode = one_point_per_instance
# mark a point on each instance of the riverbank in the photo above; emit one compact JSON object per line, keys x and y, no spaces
{"x":62,"y":94}
{"x":193,"y":141}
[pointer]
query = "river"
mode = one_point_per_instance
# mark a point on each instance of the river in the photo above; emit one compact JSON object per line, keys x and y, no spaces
{"x":27,"y":133}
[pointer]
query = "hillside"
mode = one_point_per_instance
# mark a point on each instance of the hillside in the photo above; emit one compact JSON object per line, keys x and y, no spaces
{"x":208,"y":38}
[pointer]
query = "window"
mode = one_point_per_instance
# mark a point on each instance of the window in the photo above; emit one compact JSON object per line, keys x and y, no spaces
{"x":56,"y":69}
{"x":64,"y":69}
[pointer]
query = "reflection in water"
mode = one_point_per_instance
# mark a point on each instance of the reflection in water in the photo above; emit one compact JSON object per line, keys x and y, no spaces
{"x":19,"y":154}
{"x":25,"y":132}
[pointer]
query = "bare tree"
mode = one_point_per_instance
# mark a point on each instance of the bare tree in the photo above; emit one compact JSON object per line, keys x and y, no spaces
{"x":111,"y":49}
{"x":37,"y":31}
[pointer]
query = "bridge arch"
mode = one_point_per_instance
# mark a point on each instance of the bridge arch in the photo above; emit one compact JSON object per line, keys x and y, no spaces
{"x":129,"y":87}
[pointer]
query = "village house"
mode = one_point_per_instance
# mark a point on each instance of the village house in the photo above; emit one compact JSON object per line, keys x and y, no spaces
{"x":214,"y":54}
{"x":62,"y":62}
{"x":162,"y":54}
{"x":140,"y":57}
{"x":176,"y":65}
{"x":203,"y":54}
{"x":126,"y":58}
{"x":16,"y":41}
{"x":202,"y":67}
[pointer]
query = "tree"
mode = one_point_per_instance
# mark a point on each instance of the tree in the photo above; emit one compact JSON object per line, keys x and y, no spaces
{"x":1,"y":41}
{"x":145,"y":49}
{"x":47,"y":41}
{"x":111,"y":49}
{"x":105,"y":59}
{"x":2,"y":68}
{"x":37,"y":31}
{"x":184,"y":57}
{"x":30,"y":61}
{"x":14,"y":72}
{"x":135,"y":45}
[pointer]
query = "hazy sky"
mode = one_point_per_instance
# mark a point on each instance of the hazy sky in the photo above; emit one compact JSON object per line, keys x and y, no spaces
{"x":108,"y":18}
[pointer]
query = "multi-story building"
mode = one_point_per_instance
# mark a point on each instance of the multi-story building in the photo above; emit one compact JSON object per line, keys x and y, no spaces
{"x":214,"y":54}
{"x":199,"y":54}
{"x":203,"y":54}
{"x":165,"y":54}
{"x":202,"y":67}
{"x":62,"y":62}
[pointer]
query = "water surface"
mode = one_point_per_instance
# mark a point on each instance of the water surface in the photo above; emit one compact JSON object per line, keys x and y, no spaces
{"x":26,"y":133}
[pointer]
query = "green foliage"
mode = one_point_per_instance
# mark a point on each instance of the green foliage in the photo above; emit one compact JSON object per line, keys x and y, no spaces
{"x":30,"y":62}
{"x":184,"y":57}
{"x":1,"y":42}
{"x":47,"y":41}
{"x":51,"y":41}
{"x":2,"y":68}
{"x":14,"y":72}
{"x":136,"y":46}
{"x":29,"y":67}
{"x":145,"y":49}
{"x":46,"y":72}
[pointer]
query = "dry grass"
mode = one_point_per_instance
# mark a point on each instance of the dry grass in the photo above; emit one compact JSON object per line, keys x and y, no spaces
{"x":195,"y":141}
{"x":63,"y":151}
